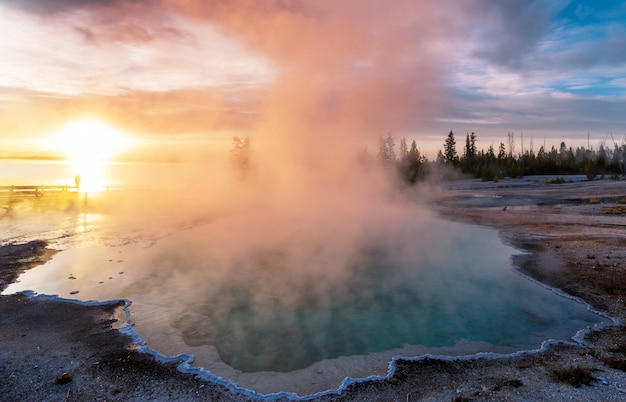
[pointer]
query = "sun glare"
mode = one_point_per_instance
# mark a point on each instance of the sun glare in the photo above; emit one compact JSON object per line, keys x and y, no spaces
{"x":90,"y":144}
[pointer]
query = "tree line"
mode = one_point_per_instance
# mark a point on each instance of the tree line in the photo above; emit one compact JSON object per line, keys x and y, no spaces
{"x":411,"y":166}
{"x":492,"y":164}
{"x":506,"y":162}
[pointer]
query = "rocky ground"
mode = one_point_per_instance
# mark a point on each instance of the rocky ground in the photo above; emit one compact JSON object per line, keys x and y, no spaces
{"x":575,"y":233}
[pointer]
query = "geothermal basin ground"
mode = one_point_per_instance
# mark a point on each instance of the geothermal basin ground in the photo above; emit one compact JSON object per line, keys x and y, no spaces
{"x":574,"y":236}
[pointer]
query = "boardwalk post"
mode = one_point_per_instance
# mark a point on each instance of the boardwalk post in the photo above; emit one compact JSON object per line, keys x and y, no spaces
{"x":10,"y":202}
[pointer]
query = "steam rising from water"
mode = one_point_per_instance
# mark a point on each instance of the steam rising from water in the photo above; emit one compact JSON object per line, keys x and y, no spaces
{"x":307,"y":215}
{"x":346,"y":73}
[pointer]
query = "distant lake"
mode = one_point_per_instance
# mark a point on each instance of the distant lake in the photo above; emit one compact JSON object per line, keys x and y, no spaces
{"x":62,"y":172}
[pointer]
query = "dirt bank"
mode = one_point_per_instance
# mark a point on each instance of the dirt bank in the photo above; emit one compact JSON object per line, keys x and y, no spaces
{"x":575,"y":236}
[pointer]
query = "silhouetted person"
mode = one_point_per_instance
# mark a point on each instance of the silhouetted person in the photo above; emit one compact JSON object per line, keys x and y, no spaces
{"x":77,"y":181}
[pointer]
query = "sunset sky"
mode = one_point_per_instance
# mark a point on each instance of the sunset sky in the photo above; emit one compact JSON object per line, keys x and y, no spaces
{"x":189,"y":72}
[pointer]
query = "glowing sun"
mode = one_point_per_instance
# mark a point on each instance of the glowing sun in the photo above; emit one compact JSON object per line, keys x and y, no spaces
{"x":90,"y":144}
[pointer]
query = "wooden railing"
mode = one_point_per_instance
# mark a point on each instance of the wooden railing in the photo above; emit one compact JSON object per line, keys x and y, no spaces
{"x":11,"y":194}
{"x":34,"y":191}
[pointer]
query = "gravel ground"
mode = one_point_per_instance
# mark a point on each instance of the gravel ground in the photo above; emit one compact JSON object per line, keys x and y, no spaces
{"x":53,"y":350}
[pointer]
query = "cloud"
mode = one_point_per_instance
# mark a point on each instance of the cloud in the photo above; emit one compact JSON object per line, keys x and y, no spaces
{"x":562,"y":95}
{"x":618,"y":82}
{"x":583,"y":11}
{"x":106,"y":20}
{"x":506,"y":32}
{"x":555,"y":117}
{"x":528,"y":35}
{"x":345,"y":70}
{"x":49,"y":7}
{"x":591,"y":47}
{"x":122,"y":50}
{"x":130,"y":32}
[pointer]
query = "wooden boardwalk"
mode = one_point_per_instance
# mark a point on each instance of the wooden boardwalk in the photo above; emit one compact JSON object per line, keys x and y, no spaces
{"x":13,"y":194}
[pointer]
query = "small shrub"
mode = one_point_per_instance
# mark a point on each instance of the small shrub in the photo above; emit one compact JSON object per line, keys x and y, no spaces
{"x":590,"y":170}
{"x":592,"y":353}
{"x":574,"y":376}
{"x":508,"y":383}
{"x":63,"y":378}
{"x":619,"y":349}
{"x":556,"y":180}
{"x":618,"y":364}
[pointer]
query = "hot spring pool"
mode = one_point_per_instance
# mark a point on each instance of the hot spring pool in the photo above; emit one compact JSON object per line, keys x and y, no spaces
{"x":286,"y":316}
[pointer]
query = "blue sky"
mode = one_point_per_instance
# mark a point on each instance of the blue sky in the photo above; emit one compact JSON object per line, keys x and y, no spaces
{"x":554,"y":69}
{"x":547,"y":70}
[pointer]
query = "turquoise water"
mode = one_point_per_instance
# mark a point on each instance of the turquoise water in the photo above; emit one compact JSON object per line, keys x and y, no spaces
{"x":468,"y":291}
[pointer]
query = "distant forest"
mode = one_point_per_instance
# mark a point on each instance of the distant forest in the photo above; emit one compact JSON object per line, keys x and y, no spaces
{"x":411,"y":166}
{"x":504,"y":161}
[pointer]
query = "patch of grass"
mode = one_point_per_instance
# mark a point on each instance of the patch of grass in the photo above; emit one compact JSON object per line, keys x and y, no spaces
{"x":574,"y":376}
{"x":556,"y":180}
{"x":617,"y":210}
{"x":593,"y":201}
{"x":618,"y":364}
{"x":508,"y":383}
{"x":618,"y":349}
{"x":621,"y":201}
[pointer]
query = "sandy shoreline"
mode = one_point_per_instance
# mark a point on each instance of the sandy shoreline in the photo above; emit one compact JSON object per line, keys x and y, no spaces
{"x":576,"y":236}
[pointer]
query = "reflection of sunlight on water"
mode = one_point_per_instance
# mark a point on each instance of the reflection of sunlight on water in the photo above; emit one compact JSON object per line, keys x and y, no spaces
{"x":63,"y":228}
{"x":86,"y":222}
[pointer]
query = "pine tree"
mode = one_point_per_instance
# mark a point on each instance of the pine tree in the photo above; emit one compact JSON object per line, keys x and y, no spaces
{"x":386,"y":150}
{"x":449,"y":149}
{"x":240,"y":155}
